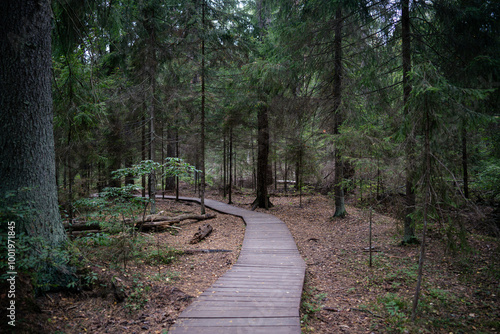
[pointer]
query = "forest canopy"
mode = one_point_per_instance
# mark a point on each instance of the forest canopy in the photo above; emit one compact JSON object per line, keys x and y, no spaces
{"x":333,"y":95}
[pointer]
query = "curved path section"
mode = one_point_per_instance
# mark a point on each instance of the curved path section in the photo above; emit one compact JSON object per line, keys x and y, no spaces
{"x":261,"y":293}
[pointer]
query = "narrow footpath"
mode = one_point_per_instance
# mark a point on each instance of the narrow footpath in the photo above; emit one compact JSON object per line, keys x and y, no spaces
{"x":261,"y":293}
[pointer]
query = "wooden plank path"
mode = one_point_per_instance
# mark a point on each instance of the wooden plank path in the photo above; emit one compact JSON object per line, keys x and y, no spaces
{"x":261,"y":293}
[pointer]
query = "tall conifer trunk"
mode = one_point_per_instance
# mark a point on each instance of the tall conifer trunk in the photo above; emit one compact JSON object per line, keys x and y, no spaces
{"x":27,"y":156}
{"x":151,"y":68}
{"x":262,"y":200}
{"x":337,"y":93}
{"x":409,"y":226}
{"x":202,"y":125}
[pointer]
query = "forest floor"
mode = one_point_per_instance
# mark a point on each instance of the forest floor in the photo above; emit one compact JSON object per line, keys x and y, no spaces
{"x":342,"y":294}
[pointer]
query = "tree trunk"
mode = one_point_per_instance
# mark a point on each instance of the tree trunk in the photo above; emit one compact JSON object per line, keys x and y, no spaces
{"x":254,"y":172}
{"x":409,"y":225}
{"x":235,"y":175}
{"x":163,"y":181}
{"x":151,"y":68}
{"x":115,"y":148}
{"x":69,"y":163}
{"x":286,"y":176}
{"x":224,"y":167}
{"x":177,"y":155}
{"x":230,"y":190}
{"x":262,"y":200}
{"x":27,"y":156}
{"x":143,"y":150}
{"x":297,"y":173}
{"x":171,"y":152}
{"x":202,"y":125}
{"x":427,"y":200}
{"x":152,"y":152}
{"x":465,"y":163}
{"x":337,"y":93}
{"x":276,"y":168}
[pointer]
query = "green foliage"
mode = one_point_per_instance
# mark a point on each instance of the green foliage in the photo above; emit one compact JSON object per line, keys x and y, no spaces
{"x":170,"y":168}
{"x":167,"y":276}
{"x":397,"y":311}
{"x":161,"y":256}
{"x":113,"y":207}
{"x":117,"y":211}
{"x":488,"y":180}
{"x":46,"y":265}
{"x":311,"y":303}
{"x":136,"y":299}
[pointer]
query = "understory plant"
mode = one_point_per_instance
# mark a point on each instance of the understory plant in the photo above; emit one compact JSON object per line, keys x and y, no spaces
{"x":120,"y":213}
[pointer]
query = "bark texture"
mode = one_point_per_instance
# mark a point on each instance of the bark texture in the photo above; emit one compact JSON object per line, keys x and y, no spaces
{"x":27,"y":156}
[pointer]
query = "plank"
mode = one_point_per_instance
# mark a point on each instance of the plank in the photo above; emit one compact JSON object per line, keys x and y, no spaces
{"x":238,"y":330}
{"x":209,"y":303}
{"x":240,"y":312}
{"x":269,"y":300}
{"x":235,"y":322}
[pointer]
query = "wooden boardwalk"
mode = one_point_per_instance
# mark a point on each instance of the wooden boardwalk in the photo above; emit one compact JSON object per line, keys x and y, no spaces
{"x":261,"y":293}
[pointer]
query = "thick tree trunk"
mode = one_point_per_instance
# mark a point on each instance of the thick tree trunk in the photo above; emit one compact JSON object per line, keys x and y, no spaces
{"x":27,"y":158}
{"x":409,"y":225}
{"x":337,"y":93}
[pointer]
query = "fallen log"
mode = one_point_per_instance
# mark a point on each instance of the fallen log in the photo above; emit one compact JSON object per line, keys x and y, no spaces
{"x":161,"y":224}
{"x":176,"y":219}
{"x":153,"y":221}
{"x":158,"y":226}
{"x":203,"y":232}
